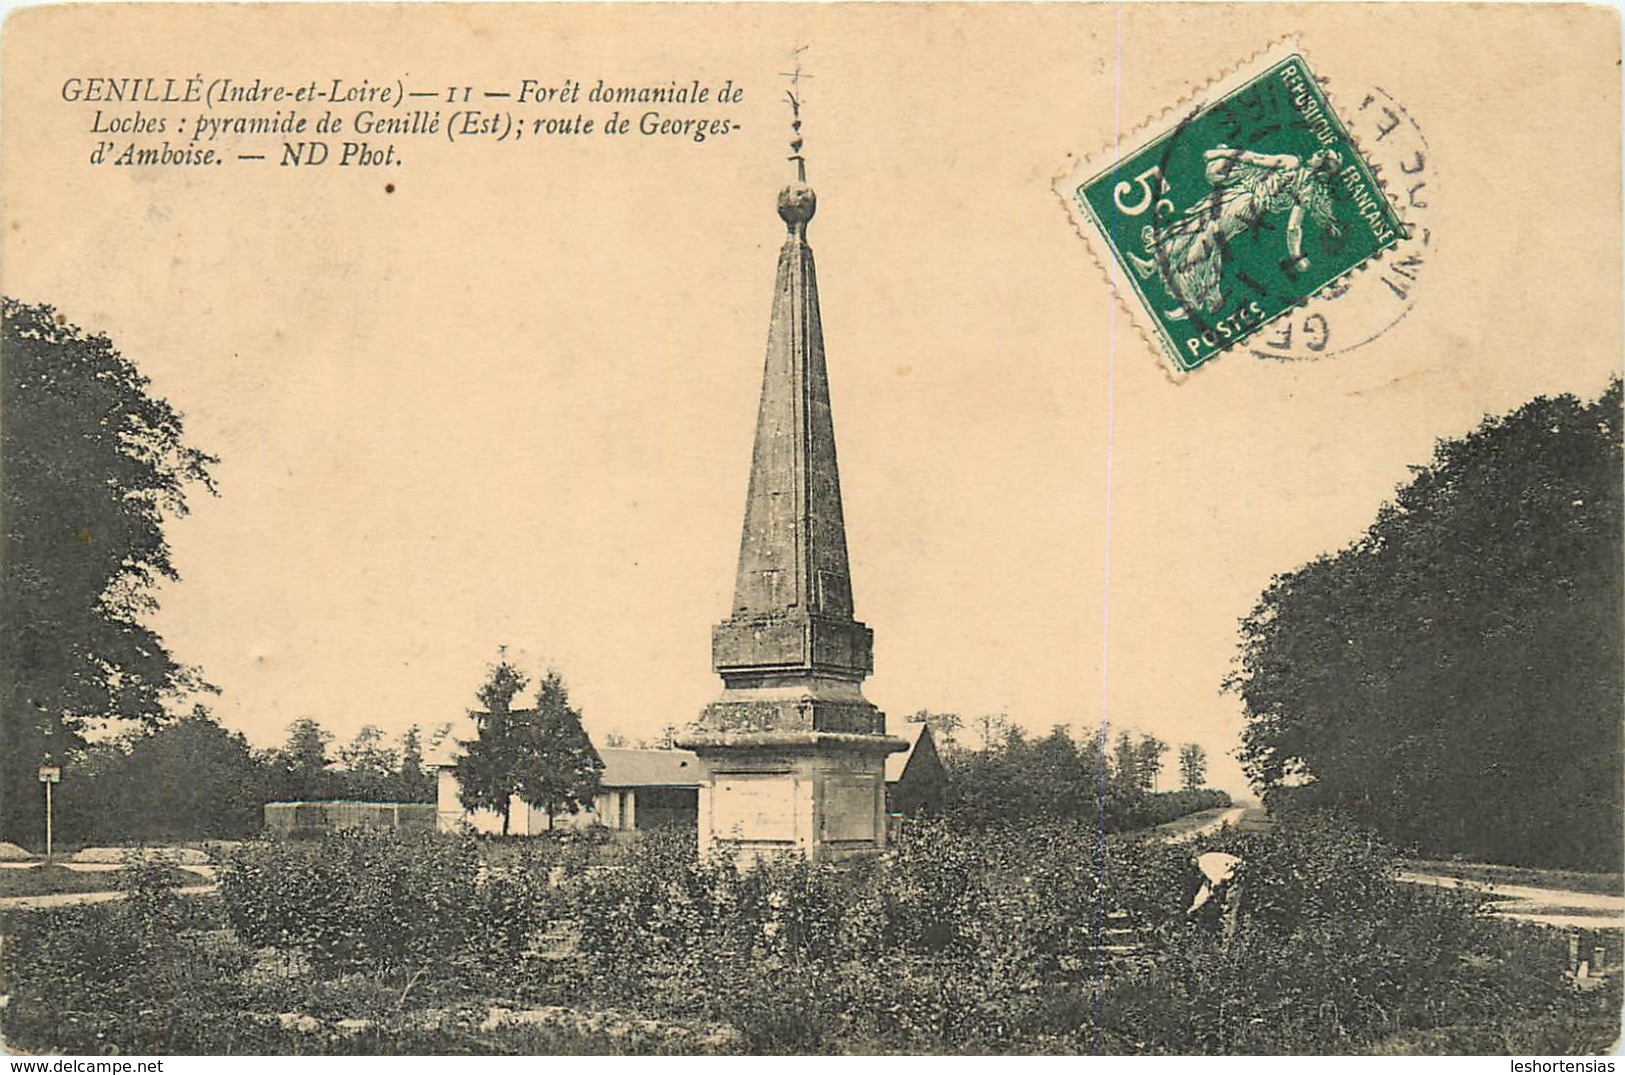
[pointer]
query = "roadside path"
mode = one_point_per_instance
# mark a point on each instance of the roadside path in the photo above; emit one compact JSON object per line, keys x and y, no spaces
{"x":1229,"y":817}
{"x":76,"y":899}
{"x":1559,"y":907}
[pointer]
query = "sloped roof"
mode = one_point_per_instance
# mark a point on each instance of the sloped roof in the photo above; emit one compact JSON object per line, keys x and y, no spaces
{"x":448,"y":750}
{"x":624,"y":767}
{"x":896,"y":763}
{"x":628,"y":768}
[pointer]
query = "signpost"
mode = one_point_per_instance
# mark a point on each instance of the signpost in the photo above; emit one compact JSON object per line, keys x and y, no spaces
{"x":48,"y":775}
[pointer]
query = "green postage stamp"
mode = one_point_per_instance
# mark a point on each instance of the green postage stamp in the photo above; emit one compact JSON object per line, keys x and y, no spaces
{"x":1232,"y":209}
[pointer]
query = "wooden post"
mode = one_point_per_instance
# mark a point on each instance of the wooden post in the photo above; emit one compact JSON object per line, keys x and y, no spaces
{"x":1232,"y":911}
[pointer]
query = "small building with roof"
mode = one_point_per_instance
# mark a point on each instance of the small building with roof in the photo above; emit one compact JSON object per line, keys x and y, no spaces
{"x":916,"y":781}
{"x":638,"y":789}
{"x":648,"y":789}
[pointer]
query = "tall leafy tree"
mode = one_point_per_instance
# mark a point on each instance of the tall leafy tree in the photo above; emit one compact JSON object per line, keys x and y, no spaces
{"x":1453,"y":678}
{"x":993,"y":785}
{"x":1192,"y":766}
{"x":1149,"y":752}
{"x":91,"y":466}
{"x":991,"y":728}
{"x":370,"y":766}
{"x":1126,"y":760}
{"x":413,"y":782}
{"x":299,"y":770}
{"x":305,"y":745}
{"x":188,"y":780}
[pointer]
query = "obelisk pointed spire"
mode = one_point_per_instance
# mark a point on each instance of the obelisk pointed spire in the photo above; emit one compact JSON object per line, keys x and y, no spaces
{"x":793,"y":753}
{"x":792,"y":554}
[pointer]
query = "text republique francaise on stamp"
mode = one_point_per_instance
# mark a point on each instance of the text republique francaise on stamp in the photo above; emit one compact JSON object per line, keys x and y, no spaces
{"x":1232,"y":209}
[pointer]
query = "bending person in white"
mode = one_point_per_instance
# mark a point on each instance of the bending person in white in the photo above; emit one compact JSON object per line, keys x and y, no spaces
{"x":1218,"y":874}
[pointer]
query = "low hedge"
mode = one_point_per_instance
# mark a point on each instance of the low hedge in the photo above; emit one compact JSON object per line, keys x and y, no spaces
{"x":382,"y":902}
{"x":955,"y":940}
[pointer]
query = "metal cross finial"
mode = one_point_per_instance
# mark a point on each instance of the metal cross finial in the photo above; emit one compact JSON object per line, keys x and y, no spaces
{"x":791,"y":95}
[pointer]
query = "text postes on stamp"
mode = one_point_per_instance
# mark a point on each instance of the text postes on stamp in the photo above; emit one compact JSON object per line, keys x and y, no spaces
{"x":1233,"y":210}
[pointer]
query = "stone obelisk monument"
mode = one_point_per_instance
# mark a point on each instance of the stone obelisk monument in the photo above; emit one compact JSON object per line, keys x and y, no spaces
{"x":795,"y":752}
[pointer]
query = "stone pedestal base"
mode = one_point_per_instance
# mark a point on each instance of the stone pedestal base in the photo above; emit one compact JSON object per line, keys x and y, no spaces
{"x":818,"y":794}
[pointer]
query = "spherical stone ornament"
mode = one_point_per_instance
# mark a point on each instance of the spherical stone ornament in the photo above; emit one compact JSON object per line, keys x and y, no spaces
{"x":797,"y":204}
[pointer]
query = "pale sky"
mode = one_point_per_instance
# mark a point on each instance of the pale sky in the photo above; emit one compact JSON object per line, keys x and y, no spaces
{"x":511,"y":402}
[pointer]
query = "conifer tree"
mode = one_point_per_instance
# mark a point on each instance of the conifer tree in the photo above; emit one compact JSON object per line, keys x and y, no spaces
{"x":558,"y":769}
{"x":486,"y":778}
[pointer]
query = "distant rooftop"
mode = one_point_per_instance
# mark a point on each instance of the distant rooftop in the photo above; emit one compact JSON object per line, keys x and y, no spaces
{"x":628,"y":768}
{"x":896,"y":763}
{"x":624,"y":767}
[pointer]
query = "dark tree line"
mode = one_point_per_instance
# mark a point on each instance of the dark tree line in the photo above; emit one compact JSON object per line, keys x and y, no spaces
{"x":308,"y":768}
{"x":192,"y":779}
{"x":1017,"y":778}
{"x":1453,"y":677}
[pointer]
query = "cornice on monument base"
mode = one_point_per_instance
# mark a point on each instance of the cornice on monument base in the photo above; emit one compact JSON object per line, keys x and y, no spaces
{"x":702,"y":742}
{"x":793,"y":768}
{"x":837,"y":708}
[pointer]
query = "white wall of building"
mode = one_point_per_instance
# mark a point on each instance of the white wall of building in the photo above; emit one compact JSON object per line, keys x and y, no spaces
{"x":451,"y":816}
{"x":615,"y":808}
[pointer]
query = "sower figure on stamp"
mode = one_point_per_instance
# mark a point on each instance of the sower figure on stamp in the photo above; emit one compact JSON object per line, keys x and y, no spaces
{"x":1221,"y":889}
{"x":1187,"y":253}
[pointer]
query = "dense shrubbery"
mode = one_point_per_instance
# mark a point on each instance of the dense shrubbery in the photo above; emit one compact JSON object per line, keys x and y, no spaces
{"x":382,"y":902}
{"x":125,"y":790}
{"x":805,"y":957}
{"x":990,"y":941}
{"x":957,"y":939}
{"x":1334,"y":956}
{"x":111,"y":976}
{"x":1161,"y":807}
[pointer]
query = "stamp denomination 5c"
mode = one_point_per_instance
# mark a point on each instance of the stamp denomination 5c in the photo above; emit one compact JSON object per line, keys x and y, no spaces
{"x":1232,"y":210}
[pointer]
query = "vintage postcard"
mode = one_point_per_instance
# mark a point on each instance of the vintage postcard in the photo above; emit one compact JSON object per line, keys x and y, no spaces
{"x":814,"y":528}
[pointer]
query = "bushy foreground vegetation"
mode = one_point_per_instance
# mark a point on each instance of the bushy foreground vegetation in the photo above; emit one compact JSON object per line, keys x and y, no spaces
{"x":380,"y":903}
{"x":958,"y":940}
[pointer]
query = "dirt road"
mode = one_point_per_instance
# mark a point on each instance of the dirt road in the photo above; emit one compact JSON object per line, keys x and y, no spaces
{"x":1213,"y":824}
{"x":1559,"y":907}
{"x":75,"y":899}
